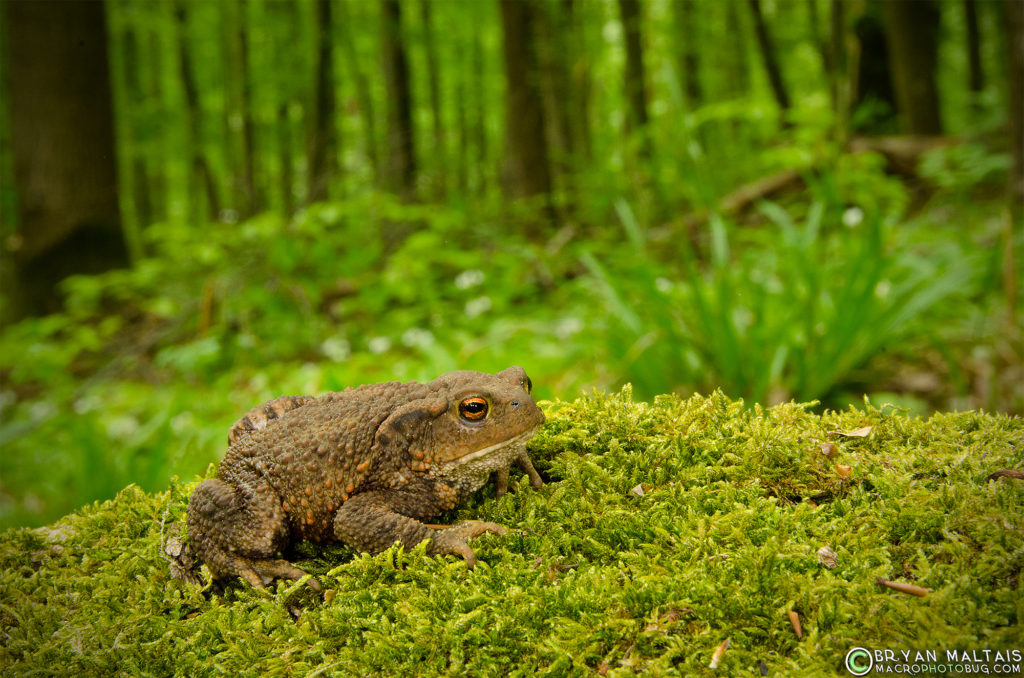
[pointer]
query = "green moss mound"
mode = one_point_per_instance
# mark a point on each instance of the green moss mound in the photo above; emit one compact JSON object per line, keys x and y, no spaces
{"x":663,"y":529}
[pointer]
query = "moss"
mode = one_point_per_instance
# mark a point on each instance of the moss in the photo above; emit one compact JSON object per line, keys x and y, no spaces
{"x":663,"y":529}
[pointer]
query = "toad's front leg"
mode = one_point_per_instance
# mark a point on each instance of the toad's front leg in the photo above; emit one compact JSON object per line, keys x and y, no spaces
{"x":521,"y":460}
{"x":373,"y":521}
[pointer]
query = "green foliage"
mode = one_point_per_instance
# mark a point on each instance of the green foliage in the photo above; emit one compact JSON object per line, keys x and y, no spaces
{"x":720,"y":544}
{"x":779,"y":310}
{"x":964,"y":166}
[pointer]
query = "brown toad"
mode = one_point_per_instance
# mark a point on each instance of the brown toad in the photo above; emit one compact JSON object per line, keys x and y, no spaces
{"x":365,"y":466}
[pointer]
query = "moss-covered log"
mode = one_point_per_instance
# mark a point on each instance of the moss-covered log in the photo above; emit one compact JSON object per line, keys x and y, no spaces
{"x":663,"y":530}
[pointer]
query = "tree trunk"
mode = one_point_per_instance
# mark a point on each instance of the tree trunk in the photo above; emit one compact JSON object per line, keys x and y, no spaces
{"x":62,"y":144}
{"x":139,"y":176}
{"x":838,"y":83}
{"x":323,"y":137}
{"x":201,"y":177}
{"x":975,"y":75}
{"x":285,"y":160}
{"x":1015,"y":100}
{"x":737,"y":58}
{"x":687,"y":52}
{"x":481,"y":145}
{"x":819,"y":42}
{"x":874,"y":102}
{"x":434,"y":90}
{"x":1015,"y":105}
{"x":159,"y":149}
{"x":635,"y":76}
{"x":283,"y":15}
{"x":551,"y":34}
{"x":363,"y":93}
{"x":771,"y":64}
{"x":400,"y":174}
{"x":527,"y":172}
{"x":580,"y":78}
{"x":252,"y":201}
{"x":462,"y":122}
{"x":912,"y":29}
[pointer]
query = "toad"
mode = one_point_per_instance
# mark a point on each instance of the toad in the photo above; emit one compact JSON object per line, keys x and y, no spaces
{"x":365,"y":466}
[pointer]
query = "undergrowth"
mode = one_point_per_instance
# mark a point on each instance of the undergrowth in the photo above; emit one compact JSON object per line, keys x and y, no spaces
{"x":663,"y":529}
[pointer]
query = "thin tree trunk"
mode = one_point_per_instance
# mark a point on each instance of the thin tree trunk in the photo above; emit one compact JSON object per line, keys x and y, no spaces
{"x":462,"y":122}
{"x":873,"y":100}
{"x":480,"y":110}
{"x":527,"y":170}
{"x":771,"y":64}
{"x":975,"y":75}
{"x":434,"y":90}
{"x":687,"y":53}
{"x":160,"y":147}
{"x":363,"y":94}
{"x":1015,"y":101}
{"x":400,"y":176}
{"x":323,"y":138}
{"x":820,"y":45}
{"x":582,"y":84}
{"x":912,"y":29}
{"x":140,"y":186}
{"x":1015,"y":109}
{"x":838,"y":84}
{"x":636,"y":91}
{"x":283,"y":15}
{"x":252,"y":200}
{"x":556,"y":93}
{"x":201,"y":179}
{"x":285,"y":160}
{"x":62,"y":147}
{"x":738,"y":59}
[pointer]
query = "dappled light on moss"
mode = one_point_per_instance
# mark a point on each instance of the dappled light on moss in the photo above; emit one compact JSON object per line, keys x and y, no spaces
{"x":722,"y":543}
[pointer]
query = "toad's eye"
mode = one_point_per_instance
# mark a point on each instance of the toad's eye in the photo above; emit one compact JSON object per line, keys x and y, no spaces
{"x":473,"y":408}
{"x":528,"y":385}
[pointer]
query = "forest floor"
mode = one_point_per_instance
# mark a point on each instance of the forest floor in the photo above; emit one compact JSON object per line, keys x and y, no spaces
{"x":669,"y":536}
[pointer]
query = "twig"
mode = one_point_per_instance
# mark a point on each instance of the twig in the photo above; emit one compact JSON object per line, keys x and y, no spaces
{"x":903,"y":588}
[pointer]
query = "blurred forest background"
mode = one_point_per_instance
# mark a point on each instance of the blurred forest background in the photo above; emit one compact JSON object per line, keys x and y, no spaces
{"x":209,"y":204}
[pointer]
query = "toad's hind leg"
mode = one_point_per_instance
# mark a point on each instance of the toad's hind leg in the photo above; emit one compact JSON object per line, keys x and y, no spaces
{"x":238,"y":529}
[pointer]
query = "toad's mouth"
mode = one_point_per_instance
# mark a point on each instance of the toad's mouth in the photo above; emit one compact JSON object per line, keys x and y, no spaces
{"x":514,"y":442}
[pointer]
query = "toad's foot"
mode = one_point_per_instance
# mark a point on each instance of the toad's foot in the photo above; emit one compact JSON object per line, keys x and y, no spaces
{"x":452,"y":540}
{"x":260,"y":572}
